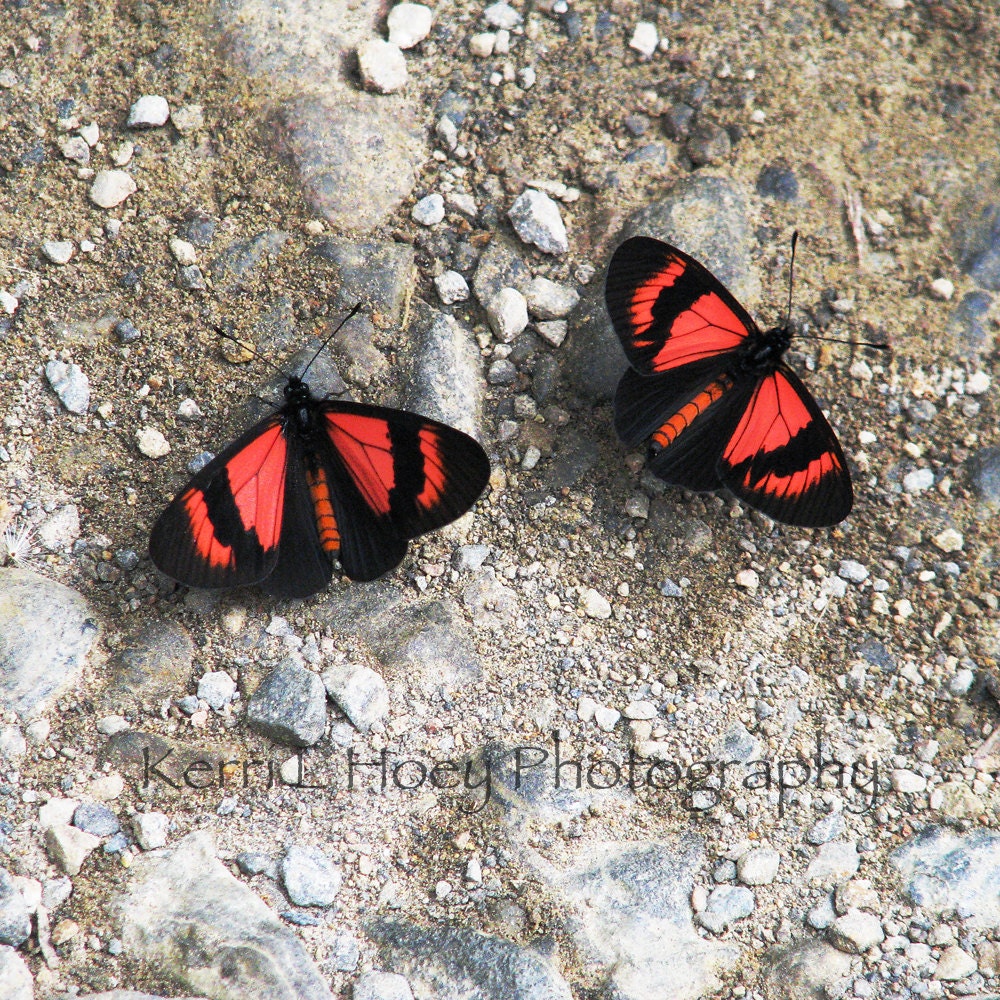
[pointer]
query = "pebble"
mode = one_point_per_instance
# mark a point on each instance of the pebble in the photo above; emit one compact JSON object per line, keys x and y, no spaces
{"x":778,"y":181}
{"x":670,"y":589}
{"x":60,"y":529}
{"x":409,"y":24}
{"x":549,"y":300}
{"x":447,"y":133}
{"x":184,"y":252}
{"x":217,"y":688}
{"x":188,"y":118}
{"x":15,"y":915}
{"x":289,"y":706}
{"x":758,"y":866}
{"x":536,"y":219}
{"x":69,"y":847}
{"x":481,"y":44}
{"x":360,"y":692}
{"x":606,"y":718}
{"x":149,"y":111}
{"x":152,"y":443}
{"x":822,"y":915}
{"x":532,"y":456}
{"x":949,"y":540}
{"x":834,"y":861}
{"x":552,"y":331}
{"x":96,"y":818}
{"x":855,"y":932}
{"x":59,"y":251}
{"x":150,"y":829}
{"x":977,"y":383}
{"x":188,"y":409}
{"x":907,"y":782}
{"x":382,"y":66}
{"x":429,"y":211}
{"x":111,"y":188}
{"x":644,"y":39}
{"x":748,"y":579}
{"x":376,"y":985}
{"x":75,"y":148}
{"x":70,"y":384}
{"x":640,"y":710}
{"x":726,"y":904}
{"x":954,"y":964}
{"x":918,"y":481}
{"x":595,"y":605}
{"x":507,"y":313}
{"x":851,"y":570}
{"x":468,"y":558}
{"x":942,"y":288}
{"x":451,"y":287}
{"x":502,"y":15}
{"x":8,"y":302}
{"x":310,"y":878}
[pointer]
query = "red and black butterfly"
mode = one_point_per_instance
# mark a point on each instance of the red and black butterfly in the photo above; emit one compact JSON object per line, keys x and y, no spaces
{"x":316,"y":480}
{"x":710,"y":392}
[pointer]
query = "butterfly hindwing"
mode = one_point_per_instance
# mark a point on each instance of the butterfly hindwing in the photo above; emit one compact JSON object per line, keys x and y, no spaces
{"x":783,"y":457}
{"x":223,"y":529}
{"x":668,"y":309}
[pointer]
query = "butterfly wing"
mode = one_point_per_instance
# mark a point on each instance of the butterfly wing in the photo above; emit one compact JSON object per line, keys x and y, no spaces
{"x":783,"y":458}
{"x":386,"y":477}
{"x":669,"y":310}
{"x":224,"y":528}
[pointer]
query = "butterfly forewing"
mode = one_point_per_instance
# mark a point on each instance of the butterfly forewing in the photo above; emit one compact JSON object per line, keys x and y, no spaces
{"x":668,"y":310}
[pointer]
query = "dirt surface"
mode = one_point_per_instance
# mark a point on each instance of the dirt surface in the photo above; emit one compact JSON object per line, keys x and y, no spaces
{"x":894,"y":107}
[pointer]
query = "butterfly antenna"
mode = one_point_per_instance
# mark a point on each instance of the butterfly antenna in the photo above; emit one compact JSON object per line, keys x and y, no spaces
{"x":791,"y":281}
{"x":354,"y":311}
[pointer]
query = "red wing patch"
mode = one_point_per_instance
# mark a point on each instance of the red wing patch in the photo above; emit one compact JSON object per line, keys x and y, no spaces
{"x":783,"y":457}
{"x":667,"y":309}
{"x":257,"y":481}
{"x":365,"y":447}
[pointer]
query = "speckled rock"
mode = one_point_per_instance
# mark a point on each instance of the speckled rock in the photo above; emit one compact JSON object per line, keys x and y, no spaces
{"x":289,"y":705}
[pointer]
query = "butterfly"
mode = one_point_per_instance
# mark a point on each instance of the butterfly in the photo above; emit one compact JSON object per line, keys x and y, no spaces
{"x":710,"y":391}
{"x":318,"y":479}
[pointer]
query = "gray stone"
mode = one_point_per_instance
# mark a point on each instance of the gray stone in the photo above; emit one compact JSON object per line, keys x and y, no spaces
{"x":977,"y":234}
{"x":826,"y":828}
{"x":46,"y":633}
{"x":451,"y":963}
{"x":15,"y":917}
{"x":150,"y":666}
{"x":704,"y":216}
{"x":499,"y":267}
{"x":954,"y":964}
{"x":187,"y":916}
{"x":984,"y":472}
{"x":70,"y":384}
{"x":360,"y":692}
{"x":726,"y":905}
{"x":289,"y":706}
{"x":968,"y":325}
{"x":507,"y":313}
{"x":468,"y":558}
{"x":451,"y":287}
{"x":536,"y":219}
{"x":804,"y":970}
{"x":501,"y":372}
{"x":16,"y":982}
{"x":96,"y":818}
{"x":429,"y":211}
{"x":151,"y":829}
{"x":446,"y":381}
{"x":550,"y":300}
{"x":309,"y":877}
{"x":738,"y":745}
{"x":944,"y":871}
{"x":239,"y":263}
{"x":502,"y":15}
{"x":822,"y":915}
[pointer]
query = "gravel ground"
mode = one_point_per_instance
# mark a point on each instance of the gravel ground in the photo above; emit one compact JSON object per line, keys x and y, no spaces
{"x":583,"y":600}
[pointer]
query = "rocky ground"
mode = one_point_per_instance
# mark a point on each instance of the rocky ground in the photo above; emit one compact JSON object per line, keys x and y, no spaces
{"x":781,"y":737}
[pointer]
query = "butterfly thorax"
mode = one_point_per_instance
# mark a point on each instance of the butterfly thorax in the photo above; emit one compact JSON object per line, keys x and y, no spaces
{"x":761,"y":352}
{"x":300,"y":406}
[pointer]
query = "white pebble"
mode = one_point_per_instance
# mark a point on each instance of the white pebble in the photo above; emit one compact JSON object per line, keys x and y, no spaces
{"x":502,"y":15}
{"x":122,"y":154}
{"x":549,"y":299}
{"x":595,"y":605}
{"x":502,"y":44}
{"x":645,"y":39}
{"x":748,"y":579}
{"x":531,"y":457}
{"x":149,"y":111}
{"x":188,"y":118}
{"x":949,"y":540}
{"x":90,"y":133}
{"x":429,"y":211}
{"x":184,"y":252}
{"x":977,"y":383}
{"x":70,"y":384}
{"x":527,"y":77}
{"x":606,"y":718}
{"x":382,"y":66}
{"x":861,"y":370}
{"x":481,"y":44}
{"x":152,"y":443}
{"x":111,"y":187}
{"x":507,"y":313}
{"x":866,"y":438}
{"x":8,"y":303}
{"x":552,"y":331}
{"x":918,"y":481}
{"x":188,"y":409}
{"x":852,"y":570}
{"x":409,"y":24}
{"x":59,"y":251}
{"x":447,"y":133}
{"x":75,"y":148}
{"x":942,"y":288}
{"x":451,"y":287}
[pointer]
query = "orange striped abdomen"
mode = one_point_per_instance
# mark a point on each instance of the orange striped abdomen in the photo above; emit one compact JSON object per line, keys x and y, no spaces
{"x":326,"y":522}
{"x":668,"y":432}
